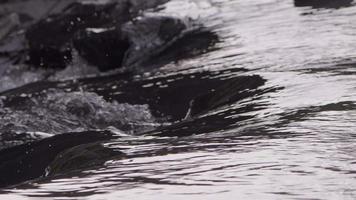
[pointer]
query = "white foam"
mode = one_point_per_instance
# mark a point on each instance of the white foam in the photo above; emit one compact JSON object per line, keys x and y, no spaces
{"x":60,"y":112}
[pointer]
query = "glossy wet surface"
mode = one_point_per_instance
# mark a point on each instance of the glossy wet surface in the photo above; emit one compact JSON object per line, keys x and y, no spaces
{"x":292,"y":138}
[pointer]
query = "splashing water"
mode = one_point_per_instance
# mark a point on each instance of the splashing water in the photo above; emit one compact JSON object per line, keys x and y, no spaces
{"x":59,"y":112}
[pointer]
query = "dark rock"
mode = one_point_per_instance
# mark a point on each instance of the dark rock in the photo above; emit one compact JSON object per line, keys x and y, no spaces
{"x":105,"y":49}
{"x":95,"y":30}
{"x":29,"y":161}
{"x":227,"y":107}
{"x":150,"y":36}
{"x":11,"y":139}
{"x":229,"y":92}
{"x":138,"y":5}
{"x":159,"y":92}
{"x":191,"y":44}
{"x":49,"y":39}
{"x":33,"y":9}
{"x":323,"y":3}
{"x":150,"y":42}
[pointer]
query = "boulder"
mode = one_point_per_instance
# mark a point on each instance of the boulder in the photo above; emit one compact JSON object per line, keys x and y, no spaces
{"x":49,"y":40}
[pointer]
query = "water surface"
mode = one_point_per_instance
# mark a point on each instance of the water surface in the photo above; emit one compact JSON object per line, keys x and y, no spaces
{"x":296,"y":141}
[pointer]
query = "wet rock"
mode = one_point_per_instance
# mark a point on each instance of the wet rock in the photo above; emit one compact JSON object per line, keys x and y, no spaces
{"x":18,"y":15}
{"x":323,"y":3}
{"x":94,"y":29}
{"x":191,"y":44}
{"x":81,"y":157}
{"x":49,"y":40}
{"x":139,"y":5}
{"x":33,"y":9}
{"x":158,"y":92}
{"x":29,"y":161}
{"x":11,"y":139}
{"x":108,"y":35}
{"x":150,"y":36}
{"x":143,"y":44}
{"x":227,"y":107}
{"x":8,"y":24}
{"x":105,"y":49}
{"x":229,"y":92}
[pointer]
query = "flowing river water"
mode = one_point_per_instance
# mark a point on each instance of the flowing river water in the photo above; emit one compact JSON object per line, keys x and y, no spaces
{"x":295,"y":140}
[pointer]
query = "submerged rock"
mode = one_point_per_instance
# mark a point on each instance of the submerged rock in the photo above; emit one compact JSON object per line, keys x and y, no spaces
{"x":81,"y":157}
{"x":29,"y":161}
{"x":323,"y":3}
{"x":229,"y":92}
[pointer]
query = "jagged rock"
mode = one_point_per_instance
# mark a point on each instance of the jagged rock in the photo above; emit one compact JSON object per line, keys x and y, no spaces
{"x":323,"y":3}
{"x":29,"y":161}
